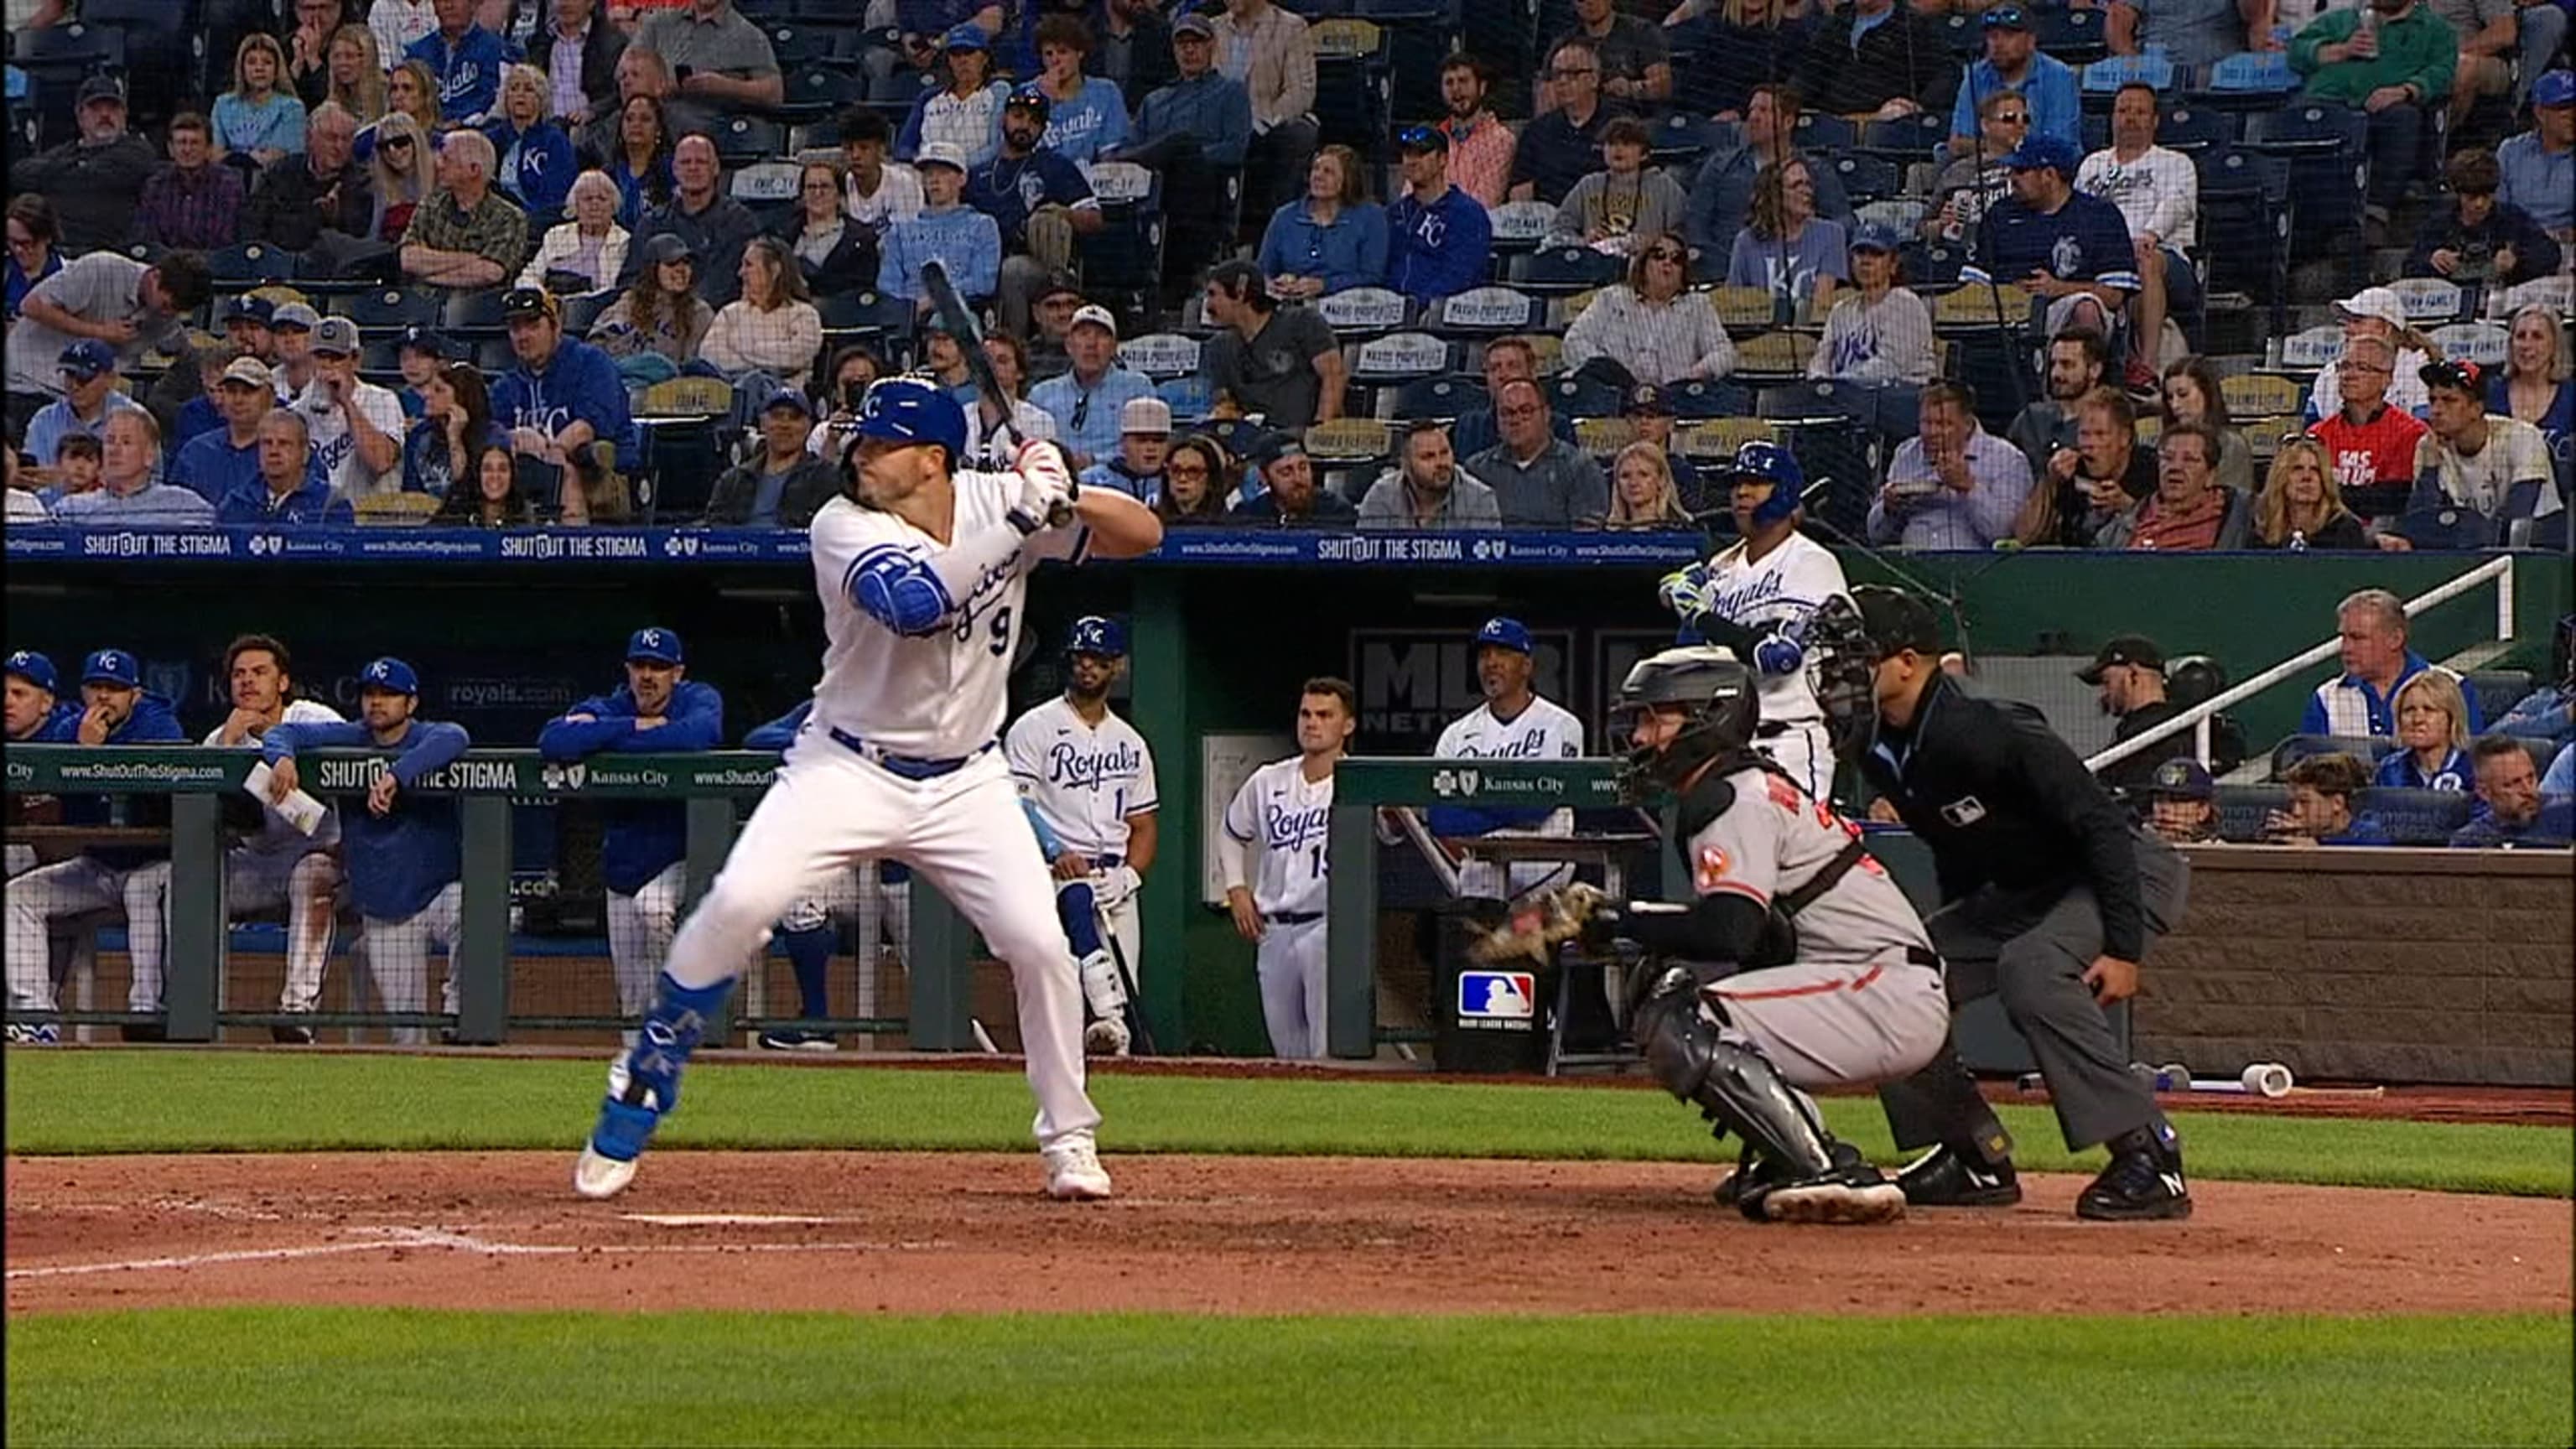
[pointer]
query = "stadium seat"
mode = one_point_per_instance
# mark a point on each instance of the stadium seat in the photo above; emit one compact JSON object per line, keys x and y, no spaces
{"x":1161,"y":356}
{"x":2243,"y":809}
{"x":2245,"y":224}
{"x":1189,"y":398}
{"x":249,"y":264}
{"x":1556,"y":271}
{"x":2312,"y":348}
{"x":474,"y":312}
{"x":380,"y":356}
{"x":1438,"y":397}
{"x":2073,"y":36}
{"x":2106,"y":76}
{"x":1345,"y":38}
{"x":395,"y":510}
{"x":2327,"y":147}
{"x":1818,"y":131}
{"x":583,"y":309}
{"x":1810,"y":400}
{"x":1773,"y":356}
{"x":687,"y":397}
{"x":2430,"y":301}
{"x":1486,"y":310}
{"x":1902,"y":215}
{"x":2193,"y":129}
{"x":1867,"y":178}
{"x":1521,"y":225}
{"x":766,"y":183}
{"x":1700,"y":399}
{"x":741,"y":140}
{"x":795,"y":45}
{"x":2417,"y":817}
{"x":1348,"y":442}
{"x":55,"y":60}
{"x":2369,"y":749}
{"x":1965,"y":36}
{"x":1400,"y":357}
{"x":1363,"y":311}
{"x":2483,"y":343}
{"x":815,"y":91}
{"x":2257,"y":394}
{"x":865,"y":312}
{"x":1742,"y":310}
{"x":1127,"y":254}
{"x":1931,"y":267}
{"x":1352,"y":104}
{"x":391,"y":309}
{"x":1681,"y":140}
{"x":1603,"y":437}
{"x":1716,"y":439}
{"x":2447,"y":528}
{"x":1911,"y":138}
{"x":1571,"y":396}
{"x":2497,"y":691}
{"x":1975,"y":306}
{"x":2251,"y":78}
{"x":493,"y":355}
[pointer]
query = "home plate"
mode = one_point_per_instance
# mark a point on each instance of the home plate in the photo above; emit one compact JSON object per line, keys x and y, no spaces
{"x":726,"y":1220}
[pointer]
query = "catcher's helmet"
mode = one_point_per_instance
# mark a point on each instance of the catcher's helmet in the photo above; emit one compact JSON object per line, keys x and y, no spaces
{"x":1721,"y":706}
{"x":914,"y":410}
{"x":1761,"y":462}
{"x":1095,"y":634}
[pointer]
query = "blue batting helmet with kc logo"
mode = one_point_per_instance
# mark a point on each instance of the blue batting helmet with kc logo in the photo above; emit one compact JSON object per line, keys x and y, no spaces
{"x":1094,"y":634}
{"x":914,"y":410}
{"x":1760,"y":462}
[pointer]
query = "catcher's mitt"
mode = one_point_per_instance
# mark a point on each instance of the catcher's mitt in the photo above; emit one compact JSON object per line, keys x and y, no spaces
{"x":1539,"y":925}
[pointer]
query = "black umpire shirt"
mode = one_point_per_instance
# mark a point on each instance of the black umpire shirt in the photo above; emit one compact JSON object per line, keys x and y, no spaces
{"x":2003,"y":802}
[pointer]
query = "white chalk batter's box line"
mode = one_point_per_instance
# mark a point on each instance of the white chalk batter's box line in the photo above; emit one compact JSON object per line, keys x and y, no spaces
{"x":396,"y":1239}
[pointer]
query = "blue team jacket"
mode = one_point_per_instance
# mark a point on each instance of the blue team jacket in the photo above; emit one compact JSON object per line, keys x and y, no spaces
{"x":1438,"y":250}
{"x":152,"y":723}
{"x":579,"y":381}
{"x":543,"y":177}
{"x":640,"y":839}
{"x":250,"y":503}
{"x":469,"y":72}
{"x":398,"y":862}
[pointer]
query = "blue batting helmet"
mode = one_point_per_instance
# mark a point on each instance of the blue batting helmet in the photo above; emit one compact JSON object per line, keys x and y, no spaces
{"x":914,"y":410}
{"x":1760,"y":462}
{"x":1505,"y":633}
{"x":1094,"y":634}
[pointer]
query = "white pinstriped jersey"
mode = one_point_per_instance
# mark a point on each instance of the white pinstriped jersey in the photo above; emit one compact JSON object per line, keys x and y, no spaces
{"x":1287,"y":819}
{"x":1788,"y":584}
{"x":1084,"y":781}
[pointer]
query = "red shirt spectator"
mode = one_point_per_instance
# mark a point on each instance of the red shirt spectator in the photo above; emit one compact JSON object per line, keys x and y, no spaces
{"x":2370,"y":441}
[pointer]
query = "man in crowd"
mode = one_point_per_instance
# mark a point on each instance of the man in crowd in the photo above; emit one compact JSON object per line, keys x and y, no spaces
{"x":1625,"y":201}
{"x":130,"y":488}
{"x":2539,"y":165}
{"x":563,"y":403}
{"x":2491,"y":34}
{"x":466,"y":234}
{"x":947,"y":230}
{"x":222,"y":463}
{"x":1507,"y":360}
{"x":2078,"y":358}
{"x":2371,"y":441}
{"x":1132,"y":48}
{"x":878,"y":192}
{"x":1721,"y":197}
{"x":2058,"y":244}
{"x":2375,"y":314}
{"x":467,"y":61}
{"x":289,"y":488}
{"x":2129,"y":675}
{"x":357,"y":426}
{"x":96,"y":178}
{"x":106,"y":296}
{"x":191,"y":201}
{"x":1039,"y":202}
{"x":1539,"y":480}
{"x":292,"y":325}
{"x":1953,"y":485}
{"x":2014,"y":62}
{"x":1440,"y":241}
{"x":578,"y":50}
{"x":1279,"y":362}
{"x":1088,"y":401}
{"x":1480,"y":143}
{"x":2516,"y":817}
{"x":784,"y":484}
{"x":1880,"y":59}
{"x":2371,"y":626}
{"x":1291,"y":495}
{"x":1271,"y":53}
{"x":2475,"y":239}
{"x":2157,"y":192}
{"x":1192,"y":131}
{"x":1427,"y":488}
{"x":2393,"y":59}
{"x":2473,"y":459}
{"x":715,"y":226}
{"x":324,"y":190}
{"x":247,"y":330}
{"x":89,"y":378}
{"x":2182,"y":802}
{"x":1559,"y":148}
{"x":1144,"y":444}
{"x":1636,"y":62}
{"x":2190,"y":32}
{"x":2322,"y":789}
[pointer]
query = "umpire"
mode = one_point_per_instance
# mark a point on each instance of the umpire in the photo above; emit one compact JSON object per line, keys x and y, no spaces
{"x":2052,"y":896}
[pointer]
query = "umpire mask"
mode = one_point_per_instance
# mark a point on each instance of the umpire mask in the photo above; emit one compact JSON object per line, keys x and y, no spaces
{"x":1843,"y":660}
{"x":1720,"y":709}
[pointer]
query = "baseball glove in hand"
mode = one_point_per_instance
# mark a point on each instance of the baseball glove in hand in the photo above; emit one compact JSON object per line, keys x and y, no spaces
{"x":1539,"y":925}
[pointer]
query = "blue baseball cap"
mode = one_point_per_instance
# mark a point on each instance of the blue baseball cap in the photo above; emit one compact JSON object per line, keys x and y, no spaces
{"x":2554,"y":88}
{"x":112,"y":666}
{"x":389,"y":674}
{"x":255,"y":308}
{"x":34,"y":668}
{"x":417,"y":338}
{"x":1873,"y":237}
{"x":1505,"y":633}
{"x":788,"y":397}
{"x":2183,"y":779}
{"x":968,"y":36}
{"x":2037,"y":153}
{"x":2007,"y":17}
{"x":1096,"y":634}
{"x":655,"y":646}
{"x":88,"y":358}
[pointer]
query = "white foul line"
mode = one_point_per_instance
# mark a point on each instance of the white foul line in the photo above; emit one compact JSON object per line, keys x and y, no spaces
{"x":434,"y":1238}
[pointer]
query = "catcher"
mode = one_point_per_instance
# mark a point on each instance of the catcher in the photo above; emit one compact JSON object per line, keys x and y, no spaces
{"x":1798,"y":963}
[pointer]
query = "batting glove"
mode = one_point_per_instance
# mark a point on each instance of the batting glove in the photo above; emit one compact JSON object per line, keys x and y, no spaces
{"x":1685,"y":591}
{"x":1047,"y":487}
{"x":1779,"y":654}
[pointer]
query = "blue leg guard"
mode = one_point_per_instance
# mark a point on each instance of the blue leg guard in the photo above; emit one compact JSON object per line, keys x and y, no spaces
{"x":1077,"y":909}
{"x":810,"y":953}
{"x":644,"y":1081}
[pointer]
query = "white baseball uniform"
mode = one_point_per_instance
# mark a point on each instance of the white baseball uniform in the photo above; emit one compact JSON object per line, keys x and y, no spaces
{"x":1288,"y":818}
{"x":900,"y":760}
{"x":1785,"y":586}
{"x":1543,"y":731}
{"x":1085,"y":781}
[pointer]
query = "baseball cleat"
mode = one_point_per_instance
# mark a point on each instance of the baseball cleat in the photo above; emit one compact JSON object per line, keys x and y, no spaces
{"x":40,"y":1033}
{"x":291,"y":1035}
{"x":1074,"y":1173}
{"x":1105,"y":1038}
{"x":2144,"y":1182}
{"x":798,"y":1041}
{"x":1945,"y":1178}
{"x":1845,"y":1195}
{"x":598,"y":1177}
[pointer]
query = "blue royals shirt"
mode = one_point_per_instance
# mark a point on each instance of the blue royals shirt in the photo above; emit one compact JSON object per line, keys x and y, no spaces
{"x":399,"y":861}
{"x":638,"y":839}
{"x":1438,"y":250}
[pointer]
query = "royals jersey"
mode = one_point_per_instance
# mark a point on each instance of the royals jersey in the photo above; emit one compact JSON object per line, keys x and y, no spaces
{"x":1785,"y":586}
{"x":277,"y":835}
{"x":1287,"y":818}
{"x":940,"y":695}
{"x":1084,"y":781}
{"x":1774,"y":838}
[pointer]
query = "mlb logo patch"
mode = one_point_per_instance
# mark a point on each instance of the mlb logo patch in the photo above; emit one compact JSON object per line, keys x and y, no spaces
{"x":1497,"y":997}
{"x":1965,"y":811}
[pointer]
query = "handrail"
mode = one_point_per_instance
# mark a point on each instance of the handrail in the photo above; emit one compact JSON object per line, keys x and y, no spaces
{"x":2196,"y":718}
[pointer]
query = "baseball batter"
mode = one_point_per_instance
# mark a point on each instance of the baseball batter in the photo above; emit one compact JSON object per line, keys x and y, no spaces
{"x":1513,"y":723}
{"x":643,"y":844}
{"x":922,"y":572}
{"x":404,"y":852}
{"x":1285,"y":810}
{"x":36,"y":717}
{"x":1757,"y":597}
{"x":1088,"y":777}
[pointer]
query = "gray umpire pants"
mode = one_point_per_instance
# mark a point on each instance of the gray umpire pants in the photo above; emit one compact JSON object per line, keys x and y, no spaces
{"x":2031,"y":949}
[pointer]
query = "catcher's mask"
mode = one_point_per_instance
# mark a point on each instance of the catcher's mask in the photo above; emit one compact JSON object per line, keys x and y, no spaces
{"x":1720,"y":709}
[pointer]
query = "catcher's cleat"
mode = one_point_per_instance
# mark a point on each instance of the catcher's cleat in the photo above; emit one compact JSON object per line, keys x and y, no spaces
{"x":1944,"y":1177}
{"x":1753,"y":1173}
{"x":1847,"y":1194}
{"x":1107,"y":1038}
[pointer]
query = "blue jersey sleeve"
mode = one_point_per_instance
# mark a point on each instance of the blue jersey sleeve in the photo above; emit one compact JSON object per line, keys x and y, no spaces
{"x":286,"y":739}
{"x":695,"y":722}
{"x":1048,"y":844}
{"x":432,"y":747}
{"x":565,"y":738}
{"x":779,"y":733}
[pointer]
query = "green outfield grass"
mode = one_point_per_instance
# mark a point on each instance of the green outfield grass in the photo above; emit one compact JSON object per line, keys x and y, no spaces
{"x":338,"y":1376}
{"x":182,"y":1101}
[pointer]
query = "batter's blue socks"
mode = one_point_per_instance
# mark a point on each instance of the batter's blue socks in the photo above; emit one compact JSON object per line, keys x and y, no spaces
{"x":644,"y":1081}
{"x":810,"y":953}
{"x":1075,"y":907}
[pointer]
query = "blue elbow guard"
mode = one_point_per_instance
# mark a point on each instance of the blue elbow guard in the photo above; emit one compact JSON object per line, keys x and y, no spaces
{"x":899,"y":591}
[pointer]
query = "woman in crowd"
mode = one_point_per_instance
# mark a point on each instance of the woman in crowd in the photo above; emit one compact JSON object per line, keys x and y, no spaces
{"x":770,"y":336}
{"x":640,"y":163}
{"x":256,"y":122}
{"x":2533,"y":385}
{"x":656,"y":328}
{"x":1881,"y":333}
{"x":1786,"y":248}
{"x":357,"y":78}
{"x":1653,"y":325}
{"x":586,"y":253}
{"x":1641,"y":491}
{"x":834,"y":254}
{"x":967,"y":113}
{"x":2301,"y":507}
{"x":2432,"y":736}
{"x":1196,"y":478}
{"x":1330,"y":239}
{"x":2191,"y":394}
{"x":535,"y":165}
{"x":33,"y":233}
{"x":843,"y":385}
{"x":494,"y":501}
{"x":455,"y":428}
{"x":410,"y":90}
{"x":400,"y":168}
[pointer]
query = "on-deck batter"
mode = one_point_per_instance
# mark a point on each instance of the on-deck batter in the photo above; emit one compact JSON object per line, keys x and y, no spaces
{"x":1286,"y":809}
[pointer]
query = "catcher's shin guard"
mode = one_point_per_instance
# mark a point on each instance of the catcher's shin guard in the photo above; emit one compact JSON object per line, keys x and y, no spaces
{"x":1735,"y":1085}
{"x":644,"y":1080}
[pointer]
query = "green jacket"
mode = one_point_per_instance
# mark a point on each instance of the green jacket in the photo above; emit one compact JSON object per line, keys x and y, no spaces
{"x":2419,"y":50}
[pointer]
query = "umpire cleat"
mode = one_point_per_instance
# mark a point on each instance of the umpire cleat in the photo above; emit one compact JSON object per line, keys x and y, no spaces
{"x":1105,"y":1038}
{"x":1943,"y":1177}
{"x":2143,"y":1183}
{"x":1857,"y":1194}
{"x":1074,"y":1173}
{"x":597,"y":1177}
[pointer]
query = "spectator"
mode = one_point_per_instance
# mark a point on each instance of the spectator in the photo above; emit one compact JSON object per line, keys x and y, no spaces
{"x":2532,"y":387}
{"x":564,"y":404}
{"x":2489,"y":33}
{"x":454,"y":429}
{"x":411,"y":89}
{"x":213,"y":466}
{"x":877,"y":193}
{"x":355,"y":427}
{"x":255,"y":120}
{"x":131,"y":307}
{"x":95,"y":179}
{"x":1973,"y":184}
{"x":191,"y":202}
{"x":1539,"y":480}
{"x":2372,"y":443}
{"x":715,"y":226}
{"x":2014,"y":63}
{"x":2539,"y":165}
{"x":2514,"y":811}
{"x":1739,"y":46}
{"x":1271,"y":53}
{"x":2321,"y":805}
{"x":32,"y":257}
{"x":1280,"y":363}
{"x":1427,"y":489}
{"x":718,"y":60}
{"x":1010,"y":362}
{"x":2473,"y":459}
{"x":1144,"y":446}
{"x":1193,"y":132}
{"x":2478,"y":240}
{"x":923,"y":27}
{"x":1788,"y":250}
{"x":966,"y":114}
{"x":1506,"y":360}
{"x":295,"y":202}
{"x":1081,"y":117}
{"x":1650,"y":413}
{"x":656,"y":328}
{"x":1050,"y":317}
{"x":308,"y":49}
{"x":2157,"y":192}
{"x":2077,"y":360}
{"x":2432,"y":737}
{"x":293,"y":326}
{"x":247,"y":327}
{"x":1480,"y":143}
{"x":1559,"y":148}
{"x":2301,"y":506}
{"x":2558,"y":782}
{"x":836,"y":255}
{"x":1878,"y":58}
{"x":2182,"y":802}
{"x":2059,"y":244}
{"x":202,"y":414}
{"x":852,"y":370}
{"x":76,"y":463}
{"x":1290,"y":496}
{"x":2189,"y":32}
{"x":2371,"y":628}
{"x":771,"y":335}
{"x":586,"y":253}
{"x":494,"y":501}
{"x":2393,"y":67}
{"x":965,"y":239}
{"x":1133,"y":48}
{"x":1881,"y":332}
{"x":536,"y":165}
{"x":465,"y":60}
{"x":783,"y":484}
{"x":130,"y":489}
{"x":1636,"y":63}
{"x":1332,"y":239}
{"x":288,"y":487}
{"x":1652,"y":325}
{"x":2085,"y":488}
{"x":356,"y":76}
{"x":419,"y":355}
{"x":1440,"y":242}
{"x":396,"y":179}
{"x":638,"y":159}
{"x":1642,"y":493}
{"x":1721,"y":196}
{"x":1195,"y":480}
{"x":1612,"y":208}
{"x":1953,"y":485}
{"x":398,"y":25}
{"x":2128,"y":676}
{"x":2188,"y":510}
{"x":2191,"y":394}
{"x":577,"y":49}
{"x":466,"y":234}
{"x":1039,"y":201}
{"x":90,"y":397}
{"x":1088,"y":402}
{"x":2377,"y":314}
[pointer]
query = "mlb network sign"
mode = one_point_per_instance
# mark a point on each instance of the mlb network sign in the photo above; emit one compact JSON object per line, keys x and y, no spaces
{"x":1497,"y":1001}
{"x":1413,"y":682}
